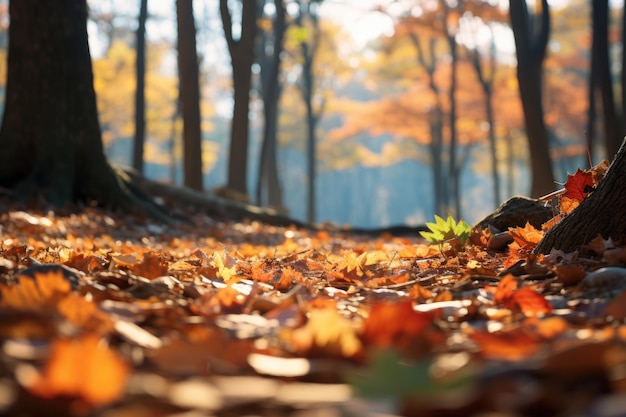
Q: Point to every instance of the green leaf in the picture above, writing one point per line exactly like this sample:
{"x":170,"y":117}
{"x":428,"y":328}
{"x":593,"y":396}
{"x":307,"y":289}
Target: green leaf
{"x":446,"y":230}
{"x":390,"y":377}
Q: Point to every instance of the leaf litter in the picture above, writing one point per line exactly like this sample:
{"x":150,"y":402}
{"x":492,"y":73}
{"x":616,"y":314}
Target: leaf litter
{"x":106,"y":314}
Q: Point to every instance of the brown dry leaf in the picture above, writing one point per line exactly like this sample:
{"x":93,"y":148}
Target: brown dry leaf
{"x":504,"y":290}
{"x":87,"y":263}
{"x":570,"y":274}
{"x":616,"y":309}
{"x":204,"y":349}
{"x":83,"y":368}
{"x":327,"y":333}
{"x":567,"y":205}
{"x":151,"y":266}
{"x":512,"y":345}
{"x":395,"y":324}
{"x":615,"y":256}
{"x":44,"y":291}
{"x":524,"y":241}
{"x":124,"y":260}
{"x":546,"y":328}
{"x":443,"y":296}
{"x":419,"y":293}
{"x":81,"y":312}
{"x":526,"y":299}
{"x":225,"y":300}
{"x":526,"y":237}
{"x":226,"y":267}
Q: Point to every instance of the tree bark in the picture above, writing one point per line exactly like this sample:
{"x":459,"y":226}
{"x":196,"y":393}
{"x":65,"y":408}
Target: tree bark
{"x":436,"y":147}
{"x":601,"y":80}
{"x":486,"y":82}
{"x":602,"y":212}
{"x":189,"y":94}
{"x":308,"y":50}
{"x":140,"y":90}
{"x":50,"y":136}
{"x":242,"y":57}
{"x":623,"y":72}
{"x":531,"y":39}
{"x":271,"y":92}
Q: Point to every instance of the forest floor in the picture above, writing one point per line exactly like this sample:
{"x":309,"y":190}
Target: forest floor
{"x":108,"y":314}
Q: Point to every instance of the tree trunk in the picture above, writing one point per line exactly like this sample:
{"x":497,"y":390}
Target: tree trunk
{"x":455,"y":165}
{"x":309,"y":49}
{"x":486,"y":83}
{"x":440,"y":183}
{"x":189,"y":94}
{"x":271,"y":91}
{"x":603,"y":212}
{"x":50,"y":136}
{"x":140,"y":96}
{"x":623,"y":72}
{"x":242,"y":57}
{"x":530,"y":48}
{"x":602,"y":80}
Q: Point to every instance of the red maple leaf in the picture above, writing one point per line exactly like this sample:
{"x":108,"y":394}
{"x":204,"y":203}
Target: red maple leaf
{"x":579,"y":185}
{"x":526,"y":299}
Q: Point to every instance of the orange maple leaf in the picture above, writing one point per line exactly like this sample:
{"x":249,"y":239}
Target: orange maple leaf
{"x":389,"y":324}
{"x":326,"y":332}
{"x":152,"y":266}
{"x":83,"y":368}
{"x":526,"y":237}
{"x":524,"y":241}
{"x":512,"y":345}
{"x":44,"y":291}
{"x":526,"y":299}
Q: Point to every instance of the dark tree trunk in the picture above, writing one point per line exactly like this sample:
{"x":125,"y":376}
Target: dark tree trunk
{"x":531,"y":39}
{"x":271,"y":91}
{"x":440,"y":183}
{"x":189,"y":94}
{"x":242,"y":57}
{"x":590,"y":134}
{"x":455,"y":165}
{"x":602,"y":212}
{"x":308,"y":50}
{"x":623,"y":74}
{"x":486,"y":82}
{"x":602,"y":81}
{"x":140,"y":96}
{"x":50,"y":136}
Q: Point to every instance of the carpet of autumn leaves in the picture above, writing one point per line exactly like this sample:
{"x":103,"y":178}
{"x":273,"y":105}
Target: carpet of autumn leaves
{"x":107,"y":314}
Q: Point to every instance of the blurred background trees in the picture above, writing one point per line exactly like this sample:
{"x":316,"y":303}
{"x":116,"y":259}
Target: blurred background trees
{"x":362,"y":112}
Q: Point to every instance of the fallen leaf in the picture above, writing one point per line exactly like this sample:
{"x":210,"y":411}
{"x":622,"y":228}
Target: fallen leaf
{"x":151,"y":266}
{"x":579,"y":185}
{"x":83,"y":368}
{"x":44,"y":291}
{"x":526,"y":237}
{"x":326,"y":331}
{"x":526,"y":299}
{"x":512,"y":345}
{"x":395,"y":324}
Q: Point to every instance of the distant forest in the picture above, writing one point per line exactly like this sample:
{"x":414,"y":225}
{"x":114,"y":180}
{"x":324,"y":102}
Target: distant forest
{"x":368,"y":113}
